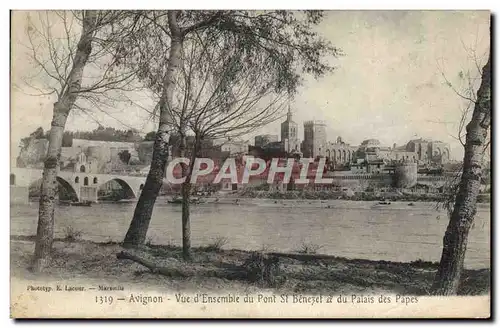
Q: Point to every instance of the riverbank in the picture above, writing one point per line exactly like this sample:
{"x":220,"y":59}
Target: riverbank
{"x":214,"y":268}
{"x":352,"y":196}
{"x":305,"y":196}
{"x":327,"y":203}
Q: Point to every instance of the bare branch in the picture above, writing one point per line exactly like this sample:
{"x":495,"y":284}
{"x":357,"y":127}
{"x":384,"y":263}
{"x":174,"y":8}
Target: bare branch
{"x":52,"y":44}
{"x":202,"y":24}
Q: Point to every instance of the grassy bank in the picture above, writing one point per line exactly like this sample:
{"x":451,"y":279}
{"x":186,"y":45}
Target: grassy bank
{"x":213,"y":268}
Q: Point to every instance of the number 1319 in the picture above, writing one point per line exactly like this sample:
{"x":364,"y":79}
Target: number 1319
{"x":104,"y":299}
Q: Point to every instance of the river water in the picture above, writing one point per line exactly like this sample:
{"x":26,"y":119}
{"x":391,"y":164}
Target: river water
{"x":353,"y":229}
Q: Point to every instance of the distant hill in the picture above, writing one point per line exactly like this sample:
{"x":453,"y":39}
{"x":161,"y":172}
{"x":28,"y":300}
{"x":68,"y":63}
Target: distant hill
{"x":99,"y":134}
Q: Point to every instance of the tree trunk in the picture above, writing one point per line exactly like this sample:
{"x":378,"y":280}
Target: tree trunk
{"x":138,"y":228}
{"x":62,"y":108}
{"x":186,"y":198}
{"x":186,"y":224}
{"x":49,"y":191}
{"x":447,"y":278}
{"x":187,"y":171}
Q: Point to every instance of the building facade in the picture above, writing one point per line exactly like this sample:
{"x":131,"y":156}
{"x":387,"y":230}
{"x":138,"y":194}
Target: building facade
{"x":314,"y":143}
{"x":429,"y":151}
{"x":235,"y":148}
{"x":340,"y":153}
{"x":264,"y":139}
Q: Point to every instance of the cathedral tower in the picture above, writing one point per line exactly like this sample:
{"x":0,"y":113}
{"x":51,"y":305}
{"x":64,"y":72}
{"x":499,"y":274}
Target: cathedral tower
{"x":289,"y":133}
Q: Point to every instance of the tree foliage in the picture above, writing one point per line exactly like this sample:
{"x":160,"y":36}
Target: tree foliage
{"x":107,"y":134}
{"x":150,"y":136}
{"x":125,"y":156}
{"x":281,"y":44}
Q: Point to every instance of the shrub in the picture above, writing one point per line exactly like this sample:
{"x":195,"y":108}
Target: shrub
{"x":216,"y":245}
{"x":424,"y":264}
{"x":266,"y":248}
{"x":263,"y":269}
{"x":308,"y":248}
{"x":149,"y":242}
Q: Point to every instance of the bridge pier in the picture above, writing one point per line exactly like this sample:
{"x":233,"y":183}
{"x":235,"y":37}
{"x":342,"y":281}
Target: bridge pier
{"x":88,"y":193}
{"x":19,"y":195}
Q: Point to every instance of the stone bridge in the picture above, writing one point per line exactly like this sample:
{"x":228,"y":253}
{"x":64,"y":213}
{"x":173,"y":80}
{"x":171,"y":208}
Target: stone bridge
{"x":83,"y":186}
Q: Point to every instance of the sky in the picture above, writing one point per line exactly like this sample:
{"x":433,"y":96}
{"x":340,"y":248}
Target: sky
{"x":389,"y":85}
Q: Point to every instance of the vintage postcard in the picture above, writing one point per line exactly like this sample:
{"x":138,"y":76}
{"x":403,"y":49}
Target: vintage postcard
{"x":250,"y":164}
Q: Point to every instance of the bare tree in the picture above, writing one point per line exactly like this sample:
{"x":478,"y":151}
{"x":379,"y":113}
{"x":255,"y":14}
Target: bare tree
{"x":285,"y":38}
{"x":455,"y":239}
{"x":465,"y":87}
{"x":61,"y":46}
{"x":219,"y":97}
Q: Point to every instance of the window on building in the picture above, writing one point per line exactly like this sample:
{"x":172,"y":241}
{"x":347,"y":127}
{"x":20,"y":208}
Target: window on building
{"x":12,"y":179}
{"x":86,"y":181}
{"x":82,"y":168}
{"x":77,"y":180}
{"x":95,"y":180}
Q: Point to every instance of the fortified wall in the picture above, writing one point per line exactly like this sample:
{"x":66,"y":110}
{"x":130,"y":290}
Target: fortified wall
{"x":405,"y":175}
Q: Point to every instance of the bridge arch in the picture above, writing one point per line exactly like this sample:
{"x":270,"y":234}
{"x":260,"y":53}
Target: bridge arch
{"x":71,"y":193}
{"x":69,"y":188}
{"x":128,"y":191}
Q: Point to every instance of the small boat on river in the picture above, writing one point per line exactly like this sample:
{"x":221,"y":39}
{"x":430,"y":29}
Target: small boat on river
{"x":178,"y":200}
{"x":86,"y":203}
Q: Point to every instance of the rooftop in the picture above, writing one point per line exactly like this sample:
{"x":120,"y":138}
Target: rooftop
{"x":314,"y":122}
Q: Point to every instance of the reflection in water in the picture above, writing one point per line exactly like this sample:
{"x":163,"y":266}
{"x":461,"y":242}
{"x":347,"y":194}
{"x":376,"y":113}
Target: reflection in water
{"x":349,"y":229}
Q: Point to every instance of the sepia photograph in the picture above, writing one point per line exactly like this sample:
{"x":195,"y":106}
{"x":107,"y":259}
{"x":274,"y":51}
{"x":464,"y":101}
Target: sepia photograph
{"x":250,"y":164}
